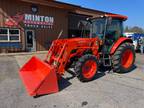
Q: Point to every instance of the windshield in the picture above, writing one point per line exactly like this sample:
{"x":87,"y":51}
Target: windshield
{"x":98,"y":27}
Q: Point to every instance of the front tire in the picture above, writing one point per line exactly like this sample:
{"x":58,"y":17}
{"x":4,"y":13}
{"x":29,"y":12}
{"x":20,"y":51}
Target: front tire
{"x":124,"y":58}
{"x":86,"y":68}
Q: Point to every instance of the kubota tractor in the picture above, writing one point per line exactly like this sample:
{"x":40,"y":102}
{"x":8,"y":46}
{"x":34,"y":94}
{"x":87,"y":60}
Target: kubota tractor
{"x":102,"y":42}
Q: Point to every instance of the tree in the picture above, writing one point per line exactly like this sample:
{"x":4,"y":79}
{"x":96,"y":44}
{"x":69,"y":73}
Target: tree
{"x":135,"y":29}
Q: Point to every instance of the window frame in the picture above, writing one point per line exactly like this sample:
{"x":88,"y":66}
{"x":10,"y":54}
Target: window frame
{"x":5,"y":35}
{"x":14,"y":35}
{"x":9,"y":35}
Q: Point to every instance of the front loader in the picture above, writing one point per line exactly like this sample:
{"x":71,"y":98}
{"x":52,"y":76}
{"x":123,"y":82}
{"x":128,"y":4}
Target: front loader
{"x":105,"y":45}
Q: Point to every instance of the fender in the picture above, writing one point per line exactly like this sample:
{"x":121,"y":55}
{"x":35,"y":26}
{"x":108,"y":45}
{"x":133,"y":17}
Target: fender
{"x":119,"y":42}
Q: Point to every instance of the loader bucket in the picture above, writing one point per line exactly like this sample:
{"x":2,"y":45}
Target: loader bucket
{"x":39,"y":77}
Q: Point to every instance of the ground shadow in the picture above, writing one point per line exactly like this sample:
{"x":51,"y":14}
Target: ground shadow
{"x":110,"y":70}
{"x":103,"y":69}
{"x":64,"y":83}
{"x":102,"y":72}
{"x":99,"y":75}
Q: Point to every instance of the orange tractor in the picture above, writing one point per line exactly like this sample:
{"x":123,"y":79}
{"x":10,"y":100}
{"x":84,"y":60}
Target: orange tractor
{"x":102,"y":42}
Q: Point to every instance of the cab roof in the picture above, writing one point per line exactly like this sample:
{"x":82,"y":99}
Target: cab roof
{"x":116,"y":16}
{"x":121,"y":17}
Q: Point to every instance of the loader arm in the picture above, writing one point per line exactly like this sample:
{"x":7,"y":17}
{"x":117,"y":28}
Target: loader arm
{"x":61,"y":51}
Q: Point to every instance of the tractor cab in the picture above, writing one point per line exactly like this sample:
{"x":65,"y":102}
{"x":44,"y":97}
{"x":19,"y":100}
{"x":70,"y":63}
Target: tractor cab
{"x":108,"y":28}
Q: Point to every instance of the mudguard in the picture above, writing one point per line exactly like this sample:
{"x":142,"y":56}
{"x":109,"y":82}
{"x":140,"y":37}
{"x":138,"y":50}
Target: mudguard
{"x":119,"y":42}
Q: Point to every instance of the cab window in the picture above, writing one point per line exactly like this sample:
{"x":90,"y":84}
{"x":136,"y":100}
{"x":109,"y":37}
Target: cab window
{"x":98,"y":27}
{"x":115,"y":28}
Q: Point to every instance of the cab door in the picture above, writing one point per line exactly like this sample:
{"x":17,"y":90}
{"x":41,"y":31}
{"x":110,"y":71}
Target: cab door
{"x":113,"y":32}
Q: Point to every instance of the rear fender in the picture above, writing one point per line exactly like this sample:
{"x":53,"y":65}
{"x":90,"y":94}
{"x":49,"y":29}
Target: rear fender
{"x":118,"y":43}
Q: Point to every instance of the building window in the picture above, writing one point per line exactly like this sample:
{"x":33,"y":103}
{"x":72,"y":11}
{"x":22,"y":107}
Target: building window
{"x":3,"y":35}
{"x":14,"y":35}
{"x":9,"y":35}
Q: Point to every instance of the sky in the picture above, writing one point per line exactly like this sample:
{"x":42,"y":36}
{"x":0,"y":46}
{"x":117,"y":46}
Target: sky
{"x":134,"y":9}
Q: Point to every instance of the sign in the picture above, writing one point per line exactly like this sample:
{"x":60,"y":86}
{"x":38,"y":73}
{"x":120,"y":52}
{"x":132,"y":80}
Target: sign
{"x":37,"y":21}
{"x":31,"y":21}
{"x":14,"y":20}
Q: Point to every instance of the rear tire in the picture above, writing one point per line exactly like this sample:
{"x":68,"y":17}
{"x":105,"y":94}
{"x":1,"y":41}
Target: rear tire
{"x":86,"y":68}
{"x":124,"y":58}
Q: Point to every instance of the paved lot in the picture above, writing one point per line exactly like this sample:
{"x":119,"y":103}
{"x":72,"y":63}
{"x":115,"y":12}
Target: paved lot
{"x":107,"y":91}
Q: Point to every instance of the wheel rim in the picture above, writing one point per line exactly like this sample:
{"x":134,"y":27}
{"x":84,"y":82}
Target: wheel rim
{"x":127,"y":58}
{"x":89,"y":69}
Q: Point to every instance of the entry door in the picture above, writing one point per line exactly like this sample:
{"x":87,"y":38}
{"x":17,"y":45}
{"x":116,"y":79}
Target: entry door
{"x":30,"y":40}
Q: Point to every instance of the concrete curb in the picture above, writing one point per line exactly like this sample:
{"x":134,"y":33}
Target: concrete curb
{"x":23,"y":53}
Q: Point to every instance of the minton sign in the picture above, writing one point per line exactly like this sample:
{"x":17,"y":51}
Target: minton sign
{"x":37,"y":21}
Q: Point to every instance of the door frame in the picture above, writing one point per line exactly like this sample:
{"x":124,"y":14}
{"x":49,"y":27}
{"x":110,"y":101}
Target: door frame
{"x":33,"y":49}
